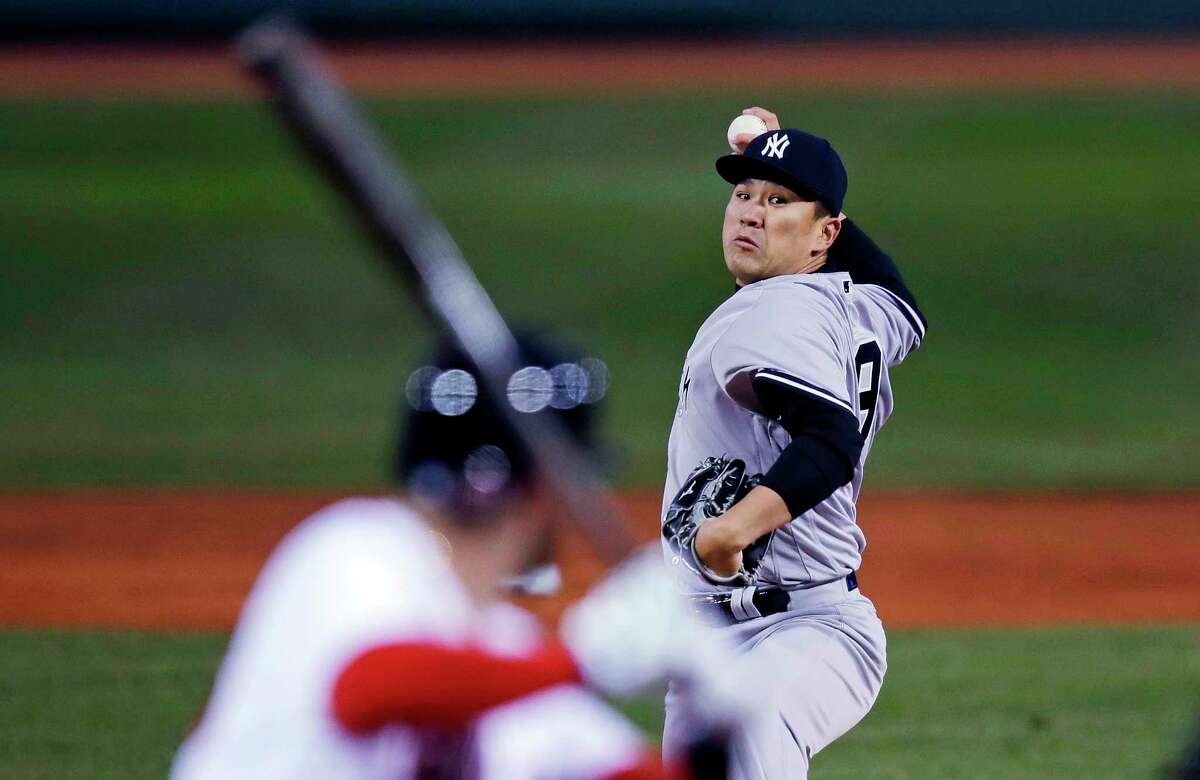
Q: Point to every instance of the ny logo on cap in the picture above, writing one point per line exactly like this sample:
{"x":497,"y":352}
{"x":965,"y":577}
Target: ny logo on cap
{"x":776,"y":145}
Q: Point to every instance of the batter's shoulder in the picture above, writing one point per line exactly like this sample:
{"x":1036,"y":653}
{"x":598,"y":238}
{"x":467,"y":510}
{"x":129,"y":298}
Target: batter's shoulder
{"x":358,"y":529}
{"x":358,"y":517}
{"x":360,"y":566}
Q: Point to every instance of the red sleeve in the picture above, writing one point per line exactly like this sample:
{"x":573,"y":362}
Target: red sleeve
{"x":424,"y":684}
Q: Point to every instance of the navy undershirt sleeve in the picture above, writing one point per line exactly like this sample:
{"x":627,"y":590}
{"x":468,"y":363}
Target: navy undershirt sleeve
{"x":824,"y":450}
{"x":855,"y":253}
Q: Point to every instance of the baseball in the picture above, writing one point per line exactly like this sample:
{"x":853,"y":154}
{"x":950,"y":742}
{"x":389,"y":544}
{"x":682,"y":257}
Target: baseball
{"x":745,"y":123}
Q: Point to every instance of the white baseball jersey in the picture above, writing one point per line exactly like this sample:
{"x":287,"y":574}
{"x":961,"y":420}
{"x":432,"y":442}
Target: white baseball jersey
{"x":817,"y":334}
{"x":357,"y":574}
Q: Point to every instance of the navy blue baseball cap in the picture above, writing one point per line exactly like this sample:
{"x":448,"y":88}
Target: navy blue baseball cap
{"x":800,"y":161}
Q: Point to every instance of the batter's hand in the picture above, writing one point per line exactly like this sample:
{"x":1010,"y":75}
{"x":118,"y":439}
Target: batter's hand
{"x":741,"y":140}
{"x":635,"y":629}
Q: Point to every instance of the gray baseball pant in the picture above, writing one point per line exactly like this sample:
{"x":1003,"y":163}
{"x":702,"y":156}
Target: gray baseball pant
{"x":824,"y":661}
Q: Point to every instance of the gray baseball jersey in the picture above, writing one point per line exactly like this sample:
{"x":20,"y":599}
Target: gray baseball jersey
{"x":818,"y":334}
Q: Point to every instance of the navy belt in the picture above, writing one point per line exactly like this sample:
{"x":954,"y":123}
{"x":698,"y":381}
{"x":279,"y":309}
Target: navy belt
{"x":766,"y":601}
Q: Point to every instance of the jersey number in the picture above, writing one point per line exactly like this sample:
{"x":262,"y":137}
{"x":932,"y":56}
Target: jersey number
{"x":868,"y":362}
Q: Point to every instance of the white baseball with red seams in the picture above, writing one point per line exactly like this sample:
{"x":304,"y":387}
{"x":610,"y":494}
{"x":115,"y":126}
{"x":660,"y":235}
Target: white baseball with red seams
{"x":744,"y":123}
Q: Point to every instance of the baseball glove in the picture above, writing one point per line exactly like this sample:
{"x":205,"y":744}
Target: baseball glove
{"x":708,"y":492}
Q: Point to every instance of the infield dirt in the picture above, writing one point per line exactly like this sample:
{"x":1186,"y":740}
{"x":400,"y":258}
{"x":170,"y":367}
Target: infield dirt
{"x":185,"y":560}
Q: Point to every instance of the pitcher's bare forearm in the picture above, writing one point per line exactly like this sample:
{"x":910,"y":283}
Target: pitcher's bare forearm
{"x":719,"y":543}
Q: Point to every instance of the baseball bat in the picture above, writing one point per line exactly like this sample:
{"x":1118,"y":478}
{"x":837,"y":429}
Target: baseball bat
{"x":414,"y":244}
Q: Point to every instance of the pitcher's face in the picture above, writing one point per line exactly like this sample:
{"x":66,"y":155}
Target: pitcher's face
{"x":770,"y":231}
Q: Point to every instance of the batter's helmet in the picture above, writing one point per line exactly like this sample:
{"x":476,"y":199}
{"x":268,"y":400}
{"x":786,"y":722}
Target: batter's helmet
{"x":458,"y":449}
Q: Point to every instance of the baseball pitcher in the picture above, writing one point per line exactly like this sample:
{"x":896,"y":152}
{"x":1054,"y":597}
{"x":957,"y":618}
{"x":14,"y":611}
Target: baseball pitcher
{"x":781,"y":396}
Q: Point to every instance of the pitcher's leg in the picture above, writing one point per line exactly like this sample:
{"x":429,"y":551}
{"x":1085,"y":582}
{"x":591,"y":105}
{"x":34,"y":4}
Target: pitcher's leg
{"x":674,"y":738}
{"x":826,"y":673}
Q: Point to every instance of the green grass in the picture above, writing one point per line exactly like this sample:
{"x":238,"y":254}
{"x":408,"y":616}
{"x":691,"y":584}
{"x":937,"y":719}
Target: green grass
{"x":181,"y":303}
{"x":1060,"y":702}
{"x":1063,"y":702}
{"x":99,"y":704}
{"x":1095,"y":703}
